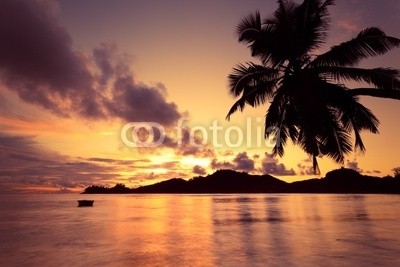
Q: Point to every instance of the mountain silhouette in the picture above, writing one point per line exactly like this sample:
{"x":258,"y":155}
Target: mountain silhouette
{"x":229,"y":181}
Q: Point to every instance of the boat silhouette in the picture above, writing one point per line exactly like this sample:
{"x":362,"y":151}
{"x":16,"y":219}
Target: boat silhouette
{"x":85,"y":203}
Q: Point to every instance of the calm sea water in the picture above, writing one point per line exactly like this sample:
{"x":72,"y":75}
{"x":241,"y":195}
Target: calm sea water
{"x":200,"y":230}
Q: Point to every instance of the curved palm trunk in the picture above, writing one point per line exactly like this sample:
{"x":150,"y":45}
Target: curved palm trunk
{"x":382,"y":93}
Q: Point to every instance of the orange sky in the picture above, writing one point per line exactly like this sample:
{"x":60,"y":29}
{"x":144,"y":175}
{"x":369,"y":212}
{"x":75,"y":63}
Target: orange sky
{"x":97,"y":65}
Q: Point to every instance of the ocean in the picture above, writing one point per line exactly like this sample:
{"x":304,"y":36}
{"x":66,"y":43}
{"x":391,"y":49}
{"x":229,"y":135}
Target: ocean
{"x":200,"y":230}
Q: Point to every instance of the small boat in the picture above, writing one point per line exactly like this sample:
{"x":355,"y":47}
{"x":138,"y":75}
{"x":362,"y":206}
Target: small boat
{"x":85,"y":203}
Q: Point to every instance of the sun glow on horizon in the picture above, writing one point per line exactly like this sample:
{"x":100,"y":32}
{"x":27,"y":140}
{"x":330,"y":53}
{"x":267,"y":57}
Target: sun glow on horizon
{"x":192,"y":161}
{"x":60,"y":122}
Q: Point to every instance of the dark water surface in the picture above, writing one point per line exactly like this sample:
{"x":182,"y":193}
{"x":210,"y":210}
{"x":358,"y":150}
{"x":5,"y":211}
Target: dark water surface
{"x":200,"y":230}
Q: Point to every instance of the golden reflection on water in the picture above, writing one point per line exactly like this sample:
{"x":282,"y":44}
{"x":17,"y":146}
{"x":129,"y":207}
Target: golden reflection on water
{"x":202,"y":230}
{"x":167,"y":229}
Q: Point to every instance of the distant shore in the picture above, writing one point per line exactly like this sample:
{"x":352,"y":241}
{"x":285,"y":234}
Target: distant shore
{"x":228,"y":181}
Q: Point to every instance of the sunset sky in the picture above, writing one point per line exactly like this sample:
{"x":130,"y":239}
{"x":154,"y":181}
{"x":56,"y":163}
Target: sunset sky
{"x":73,"y":73}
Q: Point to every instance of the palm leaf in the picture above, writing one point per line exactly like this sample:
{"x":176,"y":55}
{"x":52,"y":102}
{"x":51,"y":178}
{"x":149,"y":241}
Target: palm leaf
{"x":382,"y":78}
{"x":368,"y":43}
{"x":352,"y":115}
{"x":253,"y":95}
{"x":312,"y":25}
{"x":249,"y":76}
{"x":284,"y":14}
{"x":249,"y":28}
{"x":308,"y":142}
{"x":359,"y":144}
{"x":364,"y":119}
{"x":335,"y":141}
{"x":277,"y":43}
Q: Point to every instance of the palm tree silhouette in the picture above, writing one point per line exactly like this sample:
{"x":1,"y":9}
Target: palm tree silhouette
{"x":309,"y":102}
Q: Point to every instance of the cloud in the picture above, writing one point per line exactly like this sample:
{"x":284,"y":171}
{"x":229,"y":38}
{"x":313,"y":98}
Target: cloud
{"x":138,"y":102}
{"x":373,"y":172}
{"x":348,"y":25}
{"x":241,"y":162}
{"x":228,"y":153}
{"x":101,"y":57}
{"x":37,"y":60}
{"x":305,"y":167}
{"x":354,"y":166}
{"x":199,"y":170}
{"x":39,"y":64}
{"x":354,"y":16}
{"x":27,"y":165}
{"x":186,"y":145}
{"x":115,"y":161}
{"x":216,"y":165}
{"x":143,"y":178}
{"x":396,"y":171}
{"x":271,"y":166}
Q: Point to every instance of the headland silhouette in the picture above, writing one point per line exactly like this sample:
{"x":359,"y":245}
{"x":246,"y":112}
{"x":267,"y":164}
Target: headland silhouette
{"x":228,"y":181}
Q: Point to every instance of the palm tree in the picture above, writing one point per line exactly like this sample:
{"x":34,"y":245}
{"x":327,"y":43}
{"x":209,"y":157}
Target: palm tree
{"x":309,"y":102}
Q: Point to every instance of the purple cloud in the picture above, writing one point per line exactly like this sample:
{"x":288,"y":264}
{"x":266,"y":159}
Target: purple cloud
{"x":354,"y":166}
{"x":271,"y":166}
{"x":241,"y":162}
{"x":305,"y":167}
{"x":138,"y":102}
{"x":216,"y":165}
{"x":27,"y":164}
{"x":199,"y":170}
{"x":185,"y":144}
{"x":39,"y":64}
{"x":37,"y":60}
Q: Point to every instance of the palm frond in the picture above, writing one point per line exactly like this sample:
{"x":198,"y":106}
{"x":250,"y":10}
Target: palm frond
{"x":286,"y":128}
{"x":268,"y":46}
{"x":375,"y":92}
{"x":352,"y":115}
{"x":312,"y":25}
{"x":382,"y":78}
{"x":335,"y":141}
{"x":325,"y":5}
{"x":275,"y":123}
{"x":253,"y":95}
{"x":358,"y":144}
{"x":238,"y":105}
{"x":280,"y":134}
{"x":368,"y":43}
{"x":284,"y":14}
{"x":277,"y":43}
{"x":250,"y":75}
{"x":364,"y":119}
{"x":249,"y":28}
{"x":308,"y":142}
{"x":275,"y":113}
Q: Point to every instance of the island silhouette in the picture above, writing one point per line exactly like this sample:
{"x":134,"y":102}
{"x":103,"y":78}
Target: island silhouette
{"x":229,"y":181}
